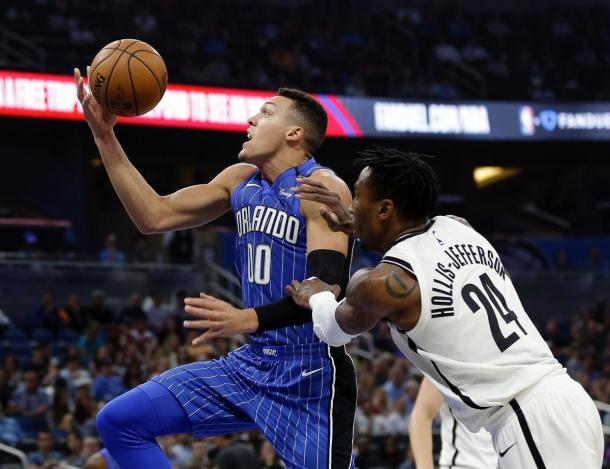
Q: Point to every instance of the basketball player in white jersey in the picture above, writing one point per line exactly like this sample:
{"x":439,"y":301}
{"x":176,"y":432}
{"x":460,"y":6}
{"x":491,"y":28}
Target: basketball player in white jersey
{"x":460,"y":449}
{"x":453,"y":311}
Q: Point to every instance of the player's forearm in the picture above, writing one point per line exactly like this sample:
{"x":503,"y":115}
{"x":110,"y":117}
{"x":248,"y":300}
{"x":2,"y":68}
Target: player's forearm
{"x":420,"y":435}
{"x":139,"y":199}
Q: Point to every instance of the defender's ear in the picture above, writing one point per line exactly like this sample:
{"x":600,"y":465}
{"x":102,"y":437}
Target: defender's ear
{"x":385,"y":209}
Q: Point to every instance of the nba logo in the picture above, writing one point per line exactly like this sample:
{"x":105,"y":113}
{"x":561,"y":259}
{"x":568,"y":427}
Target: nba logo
{"x":526,"y":118}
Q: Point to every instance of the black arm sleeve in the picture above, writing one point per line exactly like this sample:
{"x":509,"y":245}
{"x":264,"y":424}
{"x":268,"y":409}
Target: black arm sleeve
{"x":327,"y":265}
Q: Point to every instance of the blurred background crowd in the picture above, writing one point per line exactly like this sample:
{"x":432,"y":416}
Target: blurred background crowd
{"x":412,"y":48}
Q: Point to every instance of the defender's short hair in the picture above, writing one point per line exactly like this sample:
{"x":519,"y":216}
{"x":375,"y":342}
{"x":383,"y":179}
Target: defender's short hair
{"x":310,"y":114}
{"x":405,"y":178}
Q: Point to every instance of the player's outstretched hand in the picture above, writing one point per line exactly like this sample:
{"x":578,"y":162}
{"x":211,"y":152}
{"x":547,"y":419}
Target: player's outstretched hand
{"x":100,"y":121}
{"x":218,"y":318}
{"x":302,"y":291}
{"x":334,"y":212}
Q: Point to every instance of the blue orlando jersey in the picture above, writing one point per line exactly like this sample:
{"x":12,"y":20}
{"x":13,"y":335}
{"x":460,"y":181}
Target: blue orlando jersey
{"x":271,"y":246}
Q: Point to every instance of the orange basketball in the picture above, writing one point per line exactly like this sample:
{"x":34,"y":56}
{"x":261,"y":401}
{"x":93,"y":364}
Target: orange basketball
{"x":128,"y":77}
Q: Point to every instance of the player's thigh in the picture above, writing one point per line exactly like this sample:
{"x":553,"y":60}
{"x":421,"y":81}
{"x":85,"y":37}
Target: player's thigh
{"x":310,"y":423}
{"x":559,"y":429}
{"x":207,"y":392}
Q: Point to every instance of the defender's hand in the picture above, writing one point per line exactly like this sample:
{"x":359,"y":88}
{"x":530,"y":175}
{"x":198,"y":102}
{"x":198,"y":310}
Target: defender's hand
{"x":302,"y":291}
{"x":220,"y":318}
{"x":335,"y":214}
{"x":100,"y":121}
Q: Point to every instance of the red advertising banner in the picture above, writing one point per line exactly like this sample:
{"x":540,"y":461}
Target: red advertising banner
{"x":45,"y":96}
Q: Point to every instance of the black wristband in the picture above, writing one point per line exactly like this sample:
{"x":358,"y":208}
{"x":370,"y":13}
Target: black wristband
{"x":281,"y":313}
{"x":328,"y":266}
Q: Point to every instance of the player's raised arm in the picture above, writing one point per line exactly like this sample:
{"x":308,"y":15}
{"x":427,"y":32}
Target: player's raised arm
{"x":150,"y":211}
{"x":428,"y":403}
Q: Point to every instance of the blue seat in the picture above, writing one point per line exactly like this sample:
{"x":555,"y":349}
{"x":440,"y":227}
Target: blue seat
{"x":57,"y":349}
{"x":21,"y":347}
{"x":43,"y":335}
{"x":14,"y":334}
{"x":68,"y":335}
{"x":23,"y":359}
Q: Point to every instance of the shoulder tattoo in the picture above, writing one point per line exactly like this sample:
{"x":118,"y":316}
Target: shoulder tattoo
{"x":396,"y":287}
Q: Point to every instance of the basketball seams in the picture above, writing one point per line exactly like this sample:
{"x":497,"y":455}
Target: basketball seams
{"x":133,"y":88}
{"x":105,"y":58}
{"x":161,"y":91}
{"x":109,"y":79}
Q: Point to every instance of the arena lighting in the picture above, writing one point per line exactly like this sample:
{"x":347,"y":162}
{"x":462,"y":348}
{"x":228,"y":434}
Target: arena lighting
{"x":485,"y":176}
{"x":45,"y":96}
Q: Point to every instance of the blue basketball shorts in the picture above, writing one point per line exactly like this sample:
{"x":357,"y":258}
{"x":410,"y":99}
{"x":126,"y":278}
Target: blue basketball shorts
{"x":302,"y":397}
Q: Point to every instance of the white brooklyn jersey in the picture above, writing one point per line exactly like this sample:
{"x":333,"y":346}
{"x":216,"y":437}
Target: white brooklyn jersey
{"x":463,"y":449}
{"x":473,"y":339}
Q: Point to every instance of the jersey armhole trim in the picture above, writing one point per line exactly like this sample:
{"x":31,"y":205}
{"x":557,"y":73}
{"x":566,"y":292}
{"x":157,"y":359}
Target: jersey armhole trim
{"x":241,"y":184}
{"x":400,"y":263}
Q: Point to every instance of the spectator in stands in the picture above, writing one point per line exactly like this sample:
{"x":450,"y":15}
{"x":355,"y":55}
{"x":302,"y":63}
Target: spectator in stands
{"x":380,"y":413}
{"x":398,"y":420}
{"x":71,"y":316}
{"x":268,"y":457}
{"x":181,"y":244}
{"x":6,"y":390}
{"x":84,"y":405}
{"x":91,"y":445}
{"x":46,"y":314}
{"x":395,"y":386}
{"x":91,"y":341}
{"x":11,"y":368}
{"x":44,"y":453}
{"x":30,"y":404}
{"x":98,"y":311}
{"x":61,"y":403}
{"x":10,"y":431}
{"x":107,"y":384}
{"x":74,"y":374}
{"x":39,"y":361}
{"x":199,"y":455}
{"x":74,"y":443}
{"x":140,"y":332}
{"x":111,"y":253}
{"x":234,"y":454}
{"x":133,"y":311}
{"x":156,"y":311}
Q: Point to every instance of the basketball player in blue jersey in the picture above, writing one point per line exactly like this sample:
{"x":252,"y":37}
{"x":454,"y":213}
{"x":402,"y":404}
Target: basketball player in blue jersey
{"x":298,"y":391}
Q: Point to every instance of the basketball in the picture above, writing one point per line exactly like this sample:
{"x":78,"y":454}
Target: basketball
{"x":128,"y":77}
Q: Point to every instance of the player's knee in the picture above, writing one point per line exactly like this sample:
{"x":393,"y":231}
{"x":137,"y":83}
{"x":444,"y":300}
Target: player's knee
{"x":113,"y":422}
{"x":108,"y":422}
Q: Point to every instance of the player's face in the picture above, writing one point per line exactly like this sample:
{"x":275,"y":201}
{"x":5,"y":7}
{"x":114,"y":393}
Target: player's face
{"x":365,"y":209}
{"x":268,"y":130}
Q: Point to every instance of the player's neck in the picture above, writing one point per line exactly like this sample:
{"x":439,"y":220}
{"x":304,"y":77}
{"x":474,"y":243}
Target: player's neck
{"x":279,"y":163}
{"x":401,"y":229}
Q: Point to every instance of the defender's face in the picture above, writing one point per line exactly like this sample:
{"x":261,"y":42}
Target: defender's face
{"x":365,"y":209}
{"x":268,"y":130}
